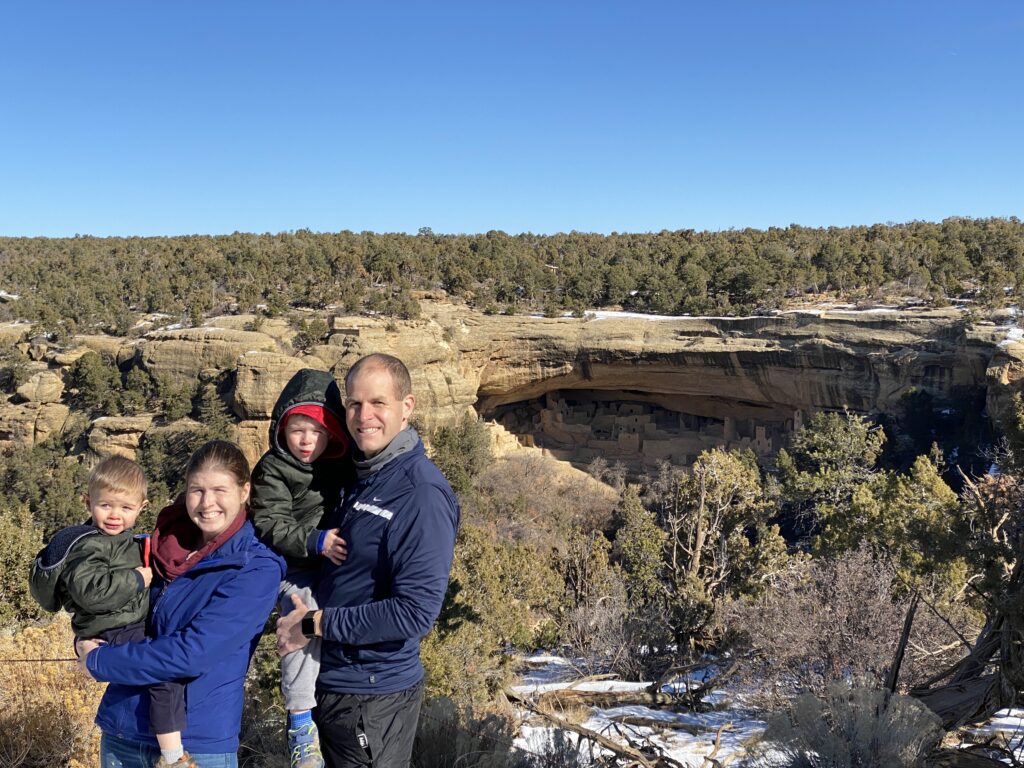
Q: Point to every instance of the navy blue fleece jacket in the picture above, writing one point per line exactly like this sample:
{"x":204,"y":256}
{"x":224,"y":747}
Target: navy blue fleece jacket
{"x":400,"y":525}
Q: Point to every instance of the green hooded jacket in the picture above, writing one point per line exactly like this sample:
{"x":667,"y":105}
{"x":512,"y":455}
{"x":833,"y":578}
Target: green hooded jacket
{"x":93,"y":577}
{"x":290,"y":498}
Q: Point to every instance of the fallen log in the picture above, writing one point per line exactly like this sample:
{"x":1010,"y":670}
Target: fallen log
{"x":672,"y":725}
{"x":567,"y":698}
{"x":625,"y":752}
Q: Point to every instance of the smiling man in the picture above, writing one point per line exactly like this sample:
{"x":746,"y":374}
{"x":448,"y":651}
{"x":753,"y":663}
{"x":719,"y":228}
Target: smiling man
{"x":399,"y":518}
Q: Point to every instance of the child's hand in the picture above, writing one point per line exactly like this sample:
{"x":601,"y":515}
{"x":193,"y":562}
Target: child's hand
{"x":147,"y":575}
{"x":335,"y":548}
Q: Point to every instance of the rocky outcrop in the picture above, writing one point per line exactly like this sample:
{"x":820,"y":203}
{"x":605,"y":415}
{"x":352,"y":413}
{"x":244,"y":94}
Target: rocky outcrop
{"x":741,"y":367}
{"x":253,"y":438}
{"x":42,"y":387}
{"x":12,"y":333}
{"x":31,"y":423}
{"x":120,"y":435}
{"x":260,"y":377}
{"x":182,"y":355}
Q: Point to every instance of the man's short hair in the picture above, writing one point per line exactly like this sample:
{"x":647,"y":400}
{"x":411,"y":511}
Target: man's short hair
{"x":117,"y":474}
{"x":400,"y":378}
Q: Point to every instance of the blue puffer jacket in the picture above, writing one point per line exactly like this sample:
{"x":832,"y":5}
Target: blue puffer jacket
{"x":400,"y":525}
{"x":206,"y":624}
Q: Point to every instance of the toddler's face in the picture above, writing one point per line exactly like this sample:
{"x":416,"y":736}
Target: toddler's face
{"x":114,"y":511}
{"x":306,"y":438}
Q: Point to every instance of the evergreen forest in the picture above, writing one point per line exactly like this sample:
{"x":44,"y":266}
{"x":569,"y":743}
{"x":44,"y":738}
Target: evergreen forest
{"x":68,"y":284}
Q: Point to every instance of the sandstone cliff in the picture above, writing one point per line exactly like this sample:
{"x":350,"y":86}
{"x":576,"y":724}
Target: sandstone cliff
{"x":737,"y":381}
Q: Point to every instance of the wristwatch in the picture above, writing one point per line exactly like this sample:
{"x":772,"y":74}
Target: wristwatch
{"x":309,"y":624}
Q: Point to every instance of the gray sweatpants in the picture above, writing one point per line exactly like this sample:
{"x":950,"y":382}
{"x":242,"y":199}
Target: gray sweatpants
{"x":299,"y":668}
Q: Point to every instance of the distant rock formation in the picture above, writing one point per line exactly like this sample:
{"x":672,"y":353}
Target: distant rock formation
{"x":581,"y":387}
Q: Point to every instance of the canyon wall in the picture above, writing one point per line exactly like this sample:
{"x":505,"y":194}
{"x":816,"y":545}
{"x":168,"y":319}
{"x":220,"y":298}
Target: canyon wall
{"x":617,"y":386}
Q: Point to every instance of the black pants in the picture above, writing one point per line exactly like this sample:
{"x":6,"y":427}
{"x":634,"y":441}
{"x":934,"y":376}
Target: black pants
{"x":359,"y":730}
{"x":166,"y":700}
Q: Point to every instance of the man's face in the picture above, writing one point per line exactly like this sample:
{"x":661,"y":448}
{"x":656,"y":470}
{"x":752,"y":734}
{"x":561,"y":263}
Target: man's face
{"x":373,"y":412}
{"x":306,"y":438}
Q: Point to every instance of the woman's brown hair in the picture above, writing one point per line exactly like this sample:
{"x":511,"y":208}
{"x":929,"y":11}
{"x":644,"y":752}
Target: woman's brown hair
{"x":219,"y":455}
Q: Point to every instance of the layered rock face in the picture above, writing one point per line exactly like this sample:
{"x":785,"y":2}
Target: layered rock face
{"x":622,"y":387}
{"x":646,"y":390}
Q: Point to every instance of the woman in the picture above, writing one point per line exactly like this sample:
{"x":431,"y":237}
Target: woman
{"x":213,"y":588}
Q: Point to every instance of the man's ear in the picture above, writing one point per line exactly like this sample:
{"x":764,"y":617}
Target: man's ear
{"x":408,"y":404}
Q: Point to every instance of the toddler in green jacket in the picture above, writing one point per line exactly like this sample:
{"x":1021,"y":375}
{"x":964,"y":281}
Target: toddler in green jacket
{"x":96,"y":572}
{"x":295,"y":487}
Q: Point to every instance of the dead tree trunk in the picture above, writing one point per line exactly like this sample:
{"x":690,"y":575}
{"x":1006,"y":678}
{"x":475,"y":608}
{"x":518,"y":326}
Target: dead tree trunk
{"x":989,"y":677}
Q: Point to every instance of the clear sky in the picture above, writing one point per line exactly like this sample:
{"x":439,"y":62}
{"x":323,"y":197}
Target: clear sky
{"x":161,"y":118}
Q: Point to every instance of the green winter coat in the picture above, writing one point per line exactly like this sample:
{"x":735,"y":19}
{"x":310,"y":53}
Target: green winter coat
{"x":289,"y":498}
{"x":92,"y":576}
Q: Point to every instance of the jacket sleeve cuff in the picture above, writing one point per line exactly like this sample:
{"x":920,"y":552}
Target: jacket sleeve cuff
{"x":91,"y":662}
{"x":313,"y":542}
{"x":140,"y":581}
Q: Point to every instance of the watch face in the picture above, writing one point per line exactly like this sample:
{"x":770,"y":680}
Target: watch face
{"x":308,"y":625}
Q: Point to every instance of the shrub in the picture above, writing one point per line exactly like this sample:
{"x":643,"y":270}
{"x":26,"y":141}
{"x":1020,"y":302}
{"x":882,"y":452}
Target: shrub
{"x":45,"y":480}
{"x":175,"y":398}
{"x":462,"y":452}
{"x":262,"y":742}
{"x":838,"y":620}
{"x":20,"y":540}
{"x":846,"y":728}
{"x":595,"y":601}
{"x":98,"y":383}
{"x":46,"y":708}
{"x":14,"y":369}
{"x":448,"y":738}
{"x":500,"y":594}
{"x":310,"y":333}
{"x":526,"y":497}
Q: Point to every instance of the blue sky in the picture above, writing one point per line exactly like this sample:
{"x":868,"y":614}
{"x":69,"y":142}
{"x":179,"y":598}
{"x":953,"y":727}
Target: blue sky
{"x":162,"y":118}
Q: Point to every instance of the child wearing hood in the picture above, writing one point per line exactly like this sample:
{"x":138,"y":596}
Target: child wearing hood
{"x":295,"y":485}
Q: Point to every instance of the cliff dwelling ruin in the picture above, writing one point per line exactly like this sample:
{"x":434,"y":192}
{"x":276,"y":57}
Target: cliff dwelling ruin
{"x":641,"y":430}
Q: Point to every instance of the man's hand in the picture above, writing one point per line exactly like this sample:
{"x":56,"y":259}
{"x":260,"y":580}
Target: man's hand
{"x":289,"y":628}
{"x":335,"y":548}
{"x":82,"y":649}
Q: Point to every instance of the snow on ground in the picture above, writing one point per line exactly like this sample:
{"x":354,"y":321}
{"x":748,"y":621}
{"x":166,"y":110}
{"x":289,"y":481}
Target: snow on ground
{"x":1013,"y":335}
{"x":695,"y":733}
{"x":688,"y":744}
{"x":1007,"y":723}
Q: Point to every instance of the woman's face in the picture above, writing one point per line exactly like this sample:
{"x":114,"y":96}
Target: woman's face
{"x":214,"y":499}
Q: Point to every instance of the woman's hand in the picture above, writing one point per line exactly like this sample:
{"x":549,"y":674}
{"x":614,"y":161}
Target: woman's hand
{"x":335,"y":548}
{"x":146,"y":574}
{"x":82,"y":649}
{"x":289,"y":628}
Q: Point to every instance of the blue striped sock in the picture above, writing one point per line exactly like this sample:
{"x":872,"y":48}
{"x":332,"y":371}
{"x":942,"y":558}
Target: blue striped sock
{"x":299,"y":719}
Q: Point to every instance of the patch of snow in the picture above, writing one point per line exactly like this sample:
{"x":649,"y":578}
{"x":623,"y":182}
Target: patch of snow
{"x":610,"y":314}
{"x":688,"y":745}
{"x":1013,"y":335}
{"x":1009,"y":724}
{"x":5,"y":296}
{"x":586,"y":685}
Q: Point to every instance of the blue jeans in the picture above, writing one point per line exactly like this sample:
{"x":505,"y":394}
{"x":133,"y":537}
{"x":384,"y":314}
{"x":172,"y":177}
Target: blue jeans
{"x":119,"y":753}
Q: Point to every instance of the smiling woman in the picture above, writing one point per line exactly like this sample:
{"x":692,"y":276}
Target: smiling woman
{"x":213,"y":588}
{"x":214,"y":499}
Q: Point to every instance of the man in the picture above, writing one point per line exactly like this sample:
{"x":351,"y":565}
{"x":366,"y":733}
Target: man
{"x":399,"y":519}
